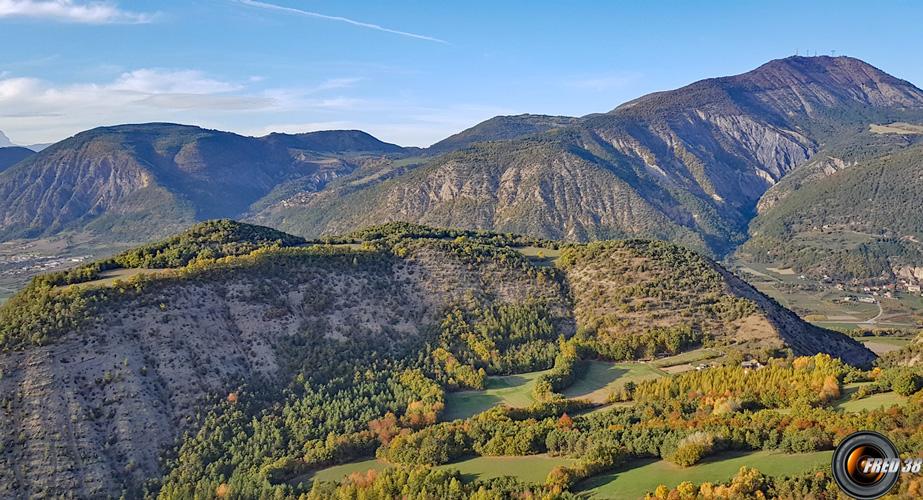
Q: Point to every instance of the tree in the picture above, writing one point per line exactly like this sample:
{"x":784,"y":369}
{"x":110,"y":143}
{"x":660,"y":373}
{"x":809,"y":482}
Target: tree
{"x":906,"y":383}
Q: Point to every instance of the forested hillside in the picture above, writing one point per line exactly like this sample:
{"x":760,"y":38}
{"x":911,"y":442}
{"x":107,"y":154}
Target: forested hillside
{"x":279,"y":359}
{"x":859,"y":220}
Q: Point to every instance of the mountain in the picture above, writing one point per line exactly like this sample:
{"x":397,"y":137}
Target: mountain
{"x":12,"y":155}
{"x":908,"y":355}
{"x":688,"y":165}
{"x":133,"y":182}
{"x":40,"y":146}
{"x":111,"y":363}
{"x":852,"y":213}
{"x":5,"y":141}
{"x":333,"y":141}
{"x":501,"y":128}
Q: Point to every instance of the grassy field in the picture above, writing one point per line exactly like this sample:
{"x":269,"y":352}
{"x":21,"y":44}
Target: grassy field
{"x":601,"y":378}
{"x":540,"y":256}
{"x":596,"y":383}
{"x":338,"y":472}
{"x":635,"y":482}
{"x":110,"y":277}
{"x":510,"y":390}
{"x":881,"y":345}
{"x":896,"y":340}
{"x":873,"y":402}
{"x":897,"y":128}
{"x":687,"y":357}
{"x":532,"y":468}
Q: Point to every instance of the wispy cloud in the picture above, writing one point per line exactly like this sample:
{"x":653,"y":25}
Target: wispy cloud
{"x":157,"y":81}
{"x":171,"y":89}
{"x":316,"y":15}
{"x":72,"y":11}
{"x":38,"y":110}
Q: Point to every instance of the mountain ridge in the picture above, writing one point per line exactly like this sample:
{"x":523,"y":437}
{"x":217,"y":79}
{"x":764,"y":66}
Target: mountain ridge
{"x":134,"y":175}
{"x":12,"y":155}
{"x":696,"y":160}
{"x":687,"y":165}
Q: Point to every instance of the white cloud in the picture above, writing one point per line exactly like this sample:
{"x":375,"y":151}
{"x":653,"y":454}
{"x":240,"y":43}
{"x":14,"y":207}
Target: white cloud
{"x":153,"y":81}
{"x":95,"y":12}
{"x":316,"y":15}
{"x":38,"y":110}
{"x":34,"y":110}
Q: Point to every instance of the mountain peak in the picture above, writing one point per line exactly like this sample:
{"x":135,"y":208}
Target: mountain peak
{"x":829,"y":70}
{"x":5,"y":141}
{"x":502,"y":128}
{"x":796,"y":85}
{"x":333,"y":140}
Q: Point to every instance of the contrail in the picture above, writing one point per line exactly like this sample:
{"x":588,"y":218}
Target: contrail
{"x":290,"y":10}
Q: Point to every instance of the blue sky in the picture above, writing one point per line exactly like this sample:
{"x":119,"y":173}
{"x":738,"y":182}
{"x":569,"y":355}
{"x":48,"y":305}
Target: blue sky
{"x":408,"y":72}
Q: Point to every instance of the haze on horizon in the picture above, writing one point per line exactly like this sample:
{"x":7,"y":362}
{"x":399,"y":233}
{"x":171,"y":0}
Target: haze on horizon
{"x":411,"y":74}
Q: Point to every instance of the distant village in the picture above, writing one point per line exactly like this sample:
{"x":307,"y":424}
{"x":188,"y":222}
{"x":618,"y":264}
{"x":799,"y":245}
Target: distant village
{"x":27,"y":264}
{"x":869,"y":294}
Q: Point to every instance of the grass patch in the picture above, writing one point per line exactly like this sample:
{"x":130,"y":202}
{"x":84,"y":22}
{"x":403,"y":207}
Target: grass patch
{"x":899,"y":341}
{"x":510,"y":390}
{"x":873,"y":402}
{"x":107,"y":278}
{"x":900,"y":128}
{"x":338,"y":472}
{"x":600,"y":378}
{"x":687,"y":357}
{"x":531,"y":468}
{"x":540,"y":256}
{"x":635,"y":482}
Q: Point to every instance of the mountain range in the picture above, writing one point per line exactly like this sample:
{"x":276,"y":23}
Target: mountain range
{"x":701,"y":165}
{"x":5,"y":142}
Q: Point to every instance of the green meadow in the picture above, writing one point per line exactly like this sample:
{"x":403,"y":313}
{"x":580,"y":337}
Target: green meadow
{"x":601,"y":378}
{"x":530,"y":468}
{"x":635,"y":482}
{"x":510,"y":390}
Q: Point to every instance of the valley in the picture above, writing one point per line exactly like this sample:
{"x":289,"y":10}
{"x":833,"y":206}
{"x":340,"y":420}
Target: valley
{"x":695,"y":294}
{"x":245,"y":320}
{"x":894,"y":305}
